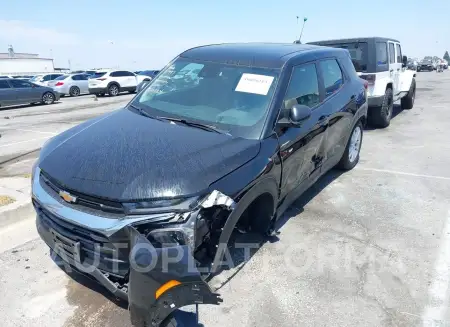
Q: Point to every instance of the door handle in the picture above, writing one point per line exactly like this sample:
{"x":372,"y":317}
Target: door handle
{"x":391,"y":71}
{"x":398,"y":69}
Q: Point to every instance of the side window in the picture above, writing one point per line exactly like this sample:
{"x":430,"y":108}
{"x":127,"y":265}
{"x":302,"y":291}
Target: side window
{"x":115,"y":74}
{"x":399,"y":53}
{"x":4,"y":84}
{"x":332,"y":76}
{"x":382,"y":53}
{"x":128,"y":74}
{"x":47,"y":78}
{"x":391,"y":53}
{"x":303,"y":87}
{"x":18,"y":84}
{"x":76,"y":77}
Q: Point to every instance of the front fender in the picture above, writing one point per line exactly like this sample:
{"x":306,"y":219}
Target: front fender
{"x":162,"y":280}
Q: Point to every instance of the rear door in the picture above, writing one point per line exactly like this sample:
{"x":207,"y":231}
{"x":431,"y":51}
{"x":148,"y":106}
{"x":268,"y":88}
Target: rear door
{"x":394,"y":68}
{"x":26,"y":92}
{"x":299,"y":145}
{"x":7,"y":93}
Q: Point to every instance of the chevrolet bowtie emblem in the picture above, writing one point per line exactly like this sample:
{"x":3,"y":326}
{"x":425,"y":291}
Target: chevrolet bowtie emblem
{"x":67,"y":197}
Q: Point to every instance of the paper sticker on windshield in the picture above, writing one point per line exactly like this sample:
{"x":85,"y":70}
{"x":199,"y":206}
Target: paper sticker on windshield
{"x":253,"y":83}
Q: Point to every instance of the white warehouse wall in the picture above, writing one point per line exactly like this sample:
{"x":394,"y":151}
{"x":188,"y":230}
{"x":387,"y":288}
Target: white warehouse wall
{"x":11,"y":66}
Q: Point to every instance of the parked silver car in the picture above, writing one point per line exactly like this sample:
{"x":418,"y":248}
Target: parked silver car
{"x":43,"y":79}
{"x":71,"y":84}
{"x":16,"y":91}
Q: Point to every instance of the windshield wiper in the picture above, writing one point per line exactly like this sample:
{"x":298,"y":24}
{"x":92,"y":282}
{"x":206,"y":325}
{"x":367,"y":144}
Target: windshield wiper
{"x":205,"y":127}
{"x":143,"y":112}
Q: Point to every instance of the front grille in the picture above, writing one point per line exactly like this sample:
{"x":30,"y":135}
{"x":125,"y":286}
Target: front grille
{"x":82,"y":245}
{"x":86,"y":203}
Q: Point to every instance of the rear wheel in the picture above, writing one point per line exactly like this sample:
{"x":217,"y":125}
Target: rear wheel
{"x":113,"y":90}
{"x":74,"y":91}
{"x":351,"y":154}
{"x":381,"y":117}
{"x":48,"y":98}
{"x":408,"y":100}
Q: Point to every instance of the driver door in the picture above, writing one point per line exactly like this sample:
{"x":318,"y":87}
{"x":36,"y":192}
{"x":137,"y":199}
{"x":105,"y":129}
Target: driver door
{"x":300,"y":147}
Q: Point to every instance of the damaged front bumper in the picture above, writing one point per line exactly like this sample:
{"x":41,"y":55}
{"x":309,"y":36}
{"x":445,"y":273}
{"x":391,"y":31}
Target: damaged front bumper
{"x":162,"y":280}
{"x":155,"y":280}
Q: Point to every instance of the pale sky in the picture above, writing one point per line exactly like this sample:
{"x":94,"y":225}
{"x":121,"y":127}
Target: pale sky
{"x":146,"y":34}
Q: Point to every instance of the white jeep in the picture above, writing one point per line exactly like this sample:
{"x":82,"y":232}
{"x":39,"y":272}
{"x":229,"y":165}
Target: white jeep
{"x":380,"y":62}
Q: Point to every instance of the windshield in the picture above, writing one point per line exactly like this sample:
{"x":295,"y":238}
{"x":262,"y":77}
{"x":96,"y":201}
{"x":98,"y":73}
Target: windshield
{"x":231,"y":98}
{"x":60,"y":78}
{"x":358,"y":53}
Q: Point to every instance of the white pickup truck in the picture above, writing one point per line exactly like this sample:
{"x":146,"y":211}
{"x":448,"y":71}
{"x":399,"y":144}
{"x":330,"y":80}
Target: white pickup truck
{"x":380,"y":61}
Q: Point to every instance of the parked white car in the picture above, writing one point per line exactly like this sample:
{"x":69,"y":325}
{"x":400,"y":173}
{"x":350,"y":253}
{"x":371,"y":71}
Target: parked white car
{"x":71,"y":84}
{"x":43,"y":79}
{"x":112,"y":82}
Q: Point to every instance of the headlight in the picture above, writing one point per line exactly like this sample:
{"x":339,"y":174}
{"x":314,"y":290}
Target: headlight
{"x":164,"y":237}
{"x":162,"y":205}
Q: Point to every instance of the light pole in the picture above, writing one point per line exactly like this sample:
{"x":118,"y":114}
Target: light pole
{"x":301,"y":32}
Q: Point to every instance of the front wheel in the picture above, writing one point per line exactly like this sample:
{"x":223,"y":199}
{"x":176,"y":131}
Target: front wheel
{"x":408,"y":100}
{"x":48,"y":98}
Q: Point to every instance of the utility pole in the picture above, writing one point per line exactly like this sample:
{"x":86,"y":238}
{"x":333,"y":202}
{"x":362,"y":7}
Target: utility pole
{"x":70,"y":68}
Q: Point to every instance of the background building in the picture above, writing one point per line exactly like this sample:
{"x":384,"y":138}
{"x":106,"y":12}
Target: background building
{"x":12,"y":63}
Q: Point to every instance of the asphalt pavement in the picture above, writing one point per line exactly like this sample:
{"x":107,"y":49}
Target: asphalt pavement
{"x":370,"y":247}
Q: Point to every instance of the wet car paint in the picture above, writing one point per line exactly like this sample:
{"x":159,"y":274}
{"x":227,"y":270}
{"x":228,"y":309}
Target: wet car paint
{"x":143,"y":158}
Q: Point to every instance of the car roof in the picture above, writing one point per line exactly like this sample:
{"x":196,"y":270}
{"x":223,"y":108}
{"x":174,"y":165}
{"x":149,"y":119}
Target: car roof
{"x":269,"y":55}
{"x":356,"y":39}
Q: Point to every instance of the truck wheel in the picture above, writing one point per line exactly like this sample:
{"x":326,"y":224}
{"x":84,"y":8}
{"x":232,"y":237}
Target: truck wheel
{"x":351,"y":154}
{"x":408,"y":100}
{"x":381,"y":117}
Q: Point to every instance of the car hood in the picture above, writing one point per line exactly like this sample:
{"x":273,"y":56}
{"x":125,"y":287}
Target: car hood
{"x":125,"y":156}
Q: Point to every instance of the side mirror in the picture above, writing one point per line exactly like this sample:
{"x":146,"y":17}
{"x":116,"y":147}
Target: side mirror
{"x":146,"y":80}
{"x":404,"y":61}
{"x":295,"y":116}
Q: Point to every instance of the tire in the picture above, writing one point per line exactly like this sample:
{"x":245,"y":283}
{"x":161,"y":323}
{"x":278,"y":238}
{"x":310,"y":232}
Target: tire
{"x":408,"y":100}
{"x":351,"y":154}
{"x":48,"y":98}
{"x":74,"y":91}
{"x":113,"y":90}
{"x":381,"y":116}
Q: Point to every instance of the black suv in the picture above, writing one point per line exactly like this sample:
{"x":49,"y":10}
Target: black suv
{"x":225,"y":136}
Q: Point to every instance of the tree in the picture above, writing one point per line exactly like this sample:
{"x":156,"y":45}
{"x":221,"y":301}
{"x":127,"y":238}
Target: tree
{"x":447,"y":56}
